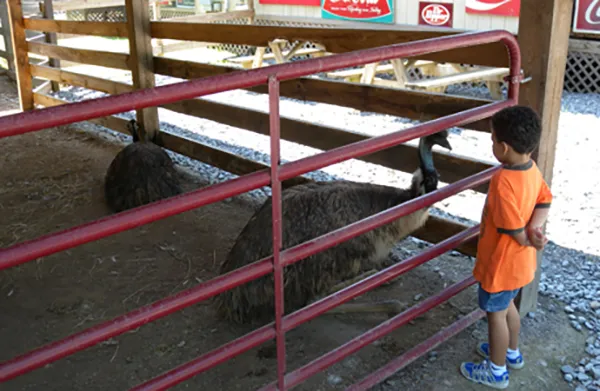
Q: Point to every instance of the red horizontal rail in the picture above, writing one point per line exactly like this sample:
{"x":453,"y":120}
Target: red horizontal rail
{"x":98,"y":229}
{"x":210,"y":359}
{"x":332,"y":238}
{"x":59,"y":349}
{"x":299,"y":375}
{"x":198,"y":365}
{"x":74,"y":112}
{"x":375,"y":144}
{"x":407,"y":358}
{"x":134,"y":319}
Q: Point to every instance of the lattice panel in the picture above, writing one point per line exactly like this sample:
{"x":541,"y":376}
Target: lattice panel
{"x":169,"y":13}
{"x":244,"y":50}
{"x":108,"y":14}
{"x":582,"y":73}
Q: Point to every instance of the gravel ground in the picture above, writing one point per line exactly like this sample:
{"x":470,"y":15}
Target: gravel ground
{"x":570,"y":270}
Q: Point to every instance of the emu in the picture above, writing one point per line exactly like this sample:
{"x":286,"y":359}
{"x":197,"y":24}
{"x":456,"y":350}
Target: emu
{"x":311,"y":210}
{"x":141,"y":173}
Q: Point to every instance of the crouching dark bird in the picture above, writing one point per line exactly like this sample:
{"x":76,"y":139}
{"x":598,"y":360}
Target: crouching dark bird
{"x":141,"y":173}
{"x":311,"y":210}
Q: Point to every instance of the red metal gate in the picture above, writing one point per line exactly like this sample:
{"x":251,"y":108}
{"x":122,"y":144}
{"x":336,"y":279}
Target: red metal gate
{"x":273,"y":75}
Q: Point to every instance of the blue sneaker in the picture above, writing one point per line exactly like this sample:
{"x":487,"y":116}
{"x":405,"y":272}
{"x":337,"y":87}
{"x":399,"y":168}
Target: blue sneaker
{"x":482,"y":374}
{"x":515,"y":363}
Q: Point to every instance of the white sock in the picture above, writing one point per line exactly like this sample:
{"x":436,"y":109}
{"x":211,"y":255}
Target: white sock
{"x":512,"y":354}
{"x":497,"y":370}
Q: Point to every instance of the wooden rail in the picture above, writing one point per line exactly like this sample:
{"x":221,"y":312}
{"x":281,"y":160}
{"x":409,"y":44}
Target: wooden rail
{"x":336,"y":40}
{"x":403,"y":103}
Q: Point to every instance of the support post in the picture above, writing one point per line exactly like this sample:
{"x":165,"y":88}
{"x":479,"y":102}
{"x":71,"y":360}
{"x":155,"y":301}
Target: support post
{"x":8,"y":47}
{"x":544,"y":40}
{"x":52,"y":39}
{"x":141,"y":61}
{"x":21,"y":55}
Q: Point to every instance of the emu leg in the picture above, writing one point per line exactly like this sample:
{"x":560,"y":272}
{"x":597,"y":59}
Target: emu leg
{"x":390,"y":307}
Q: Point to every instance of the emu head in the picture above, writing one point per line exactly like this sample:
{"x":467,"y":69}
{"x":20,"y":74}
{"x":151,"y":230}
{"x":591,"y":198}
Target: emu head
{"x":134,"y":128}
{"x":428,"y":175}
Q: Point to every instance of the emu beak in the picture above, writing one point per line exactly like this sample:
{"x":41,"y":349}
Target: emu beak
{"x":443,"y":142}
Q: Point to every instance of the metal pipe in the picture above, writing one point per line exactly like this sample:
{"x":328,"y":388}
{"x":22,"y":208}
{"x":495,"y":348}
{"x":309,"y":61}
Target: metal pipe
{"x":350,"y":292}
{"x":208,"y":360}
{"x":194,"y":367}
{"x":74,"y":112}
{"x":98,"y":229}
{"x":294,"y":378}
{"x":407,"y":358}
{"x":332,"y":238}
{"x":375,"y":144}
{"x":276,"y":226}
{"x":75,"y":236}
{"x":134,"y":319}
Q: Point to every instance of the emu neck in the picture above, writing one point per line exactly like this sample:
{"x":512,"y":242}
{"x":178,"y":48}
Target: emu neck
{"x":426,"y":156}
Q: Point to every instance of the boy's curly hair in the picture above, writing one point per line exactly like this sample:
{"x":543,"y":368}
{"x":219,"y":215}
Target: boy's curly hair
{"x":518,"y":126}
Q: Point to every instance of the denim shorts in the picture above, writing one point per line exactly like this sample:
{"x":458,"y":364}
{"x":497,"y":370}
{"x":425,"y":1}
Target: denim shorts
{"x":496,"y":302}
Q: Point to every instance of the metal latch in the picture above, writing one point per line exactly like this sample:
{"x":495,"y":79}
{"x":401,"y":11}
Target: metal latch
{"x":518,"y":79}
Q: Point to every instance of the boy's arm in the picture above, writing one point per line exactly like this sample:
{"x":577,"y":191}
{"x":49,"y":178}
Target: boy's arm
{"x":506,"y":214}
{"x":522,"y":238}
{"x":539,"y":217}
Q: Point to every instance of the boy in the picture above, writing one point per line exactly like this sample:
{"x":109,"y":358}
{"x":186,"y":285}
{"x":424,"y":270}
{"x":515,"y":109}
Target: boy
{"x":515,"y":209}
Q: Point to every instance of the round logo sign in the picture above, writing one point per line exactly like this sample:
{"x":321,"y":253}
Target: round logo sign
{"x":435,"y":14}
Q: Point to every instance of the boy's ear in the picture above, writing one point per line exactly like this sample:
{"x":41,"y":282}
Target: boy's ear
{"x":504,"y":147}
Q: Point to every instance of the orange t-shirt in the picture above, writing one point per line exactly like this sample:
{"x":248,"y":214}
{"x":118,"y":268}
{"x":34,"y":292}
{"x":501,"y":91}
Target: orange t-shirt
{"x":502,"y":262}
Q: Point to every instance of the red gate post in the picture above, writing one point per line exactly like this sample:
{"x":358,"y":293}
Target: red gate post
{"x":276,"y":216}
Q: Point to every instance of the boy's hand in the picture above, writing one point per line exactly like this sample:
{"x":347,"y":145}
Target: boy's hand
{"x":537,"y":237}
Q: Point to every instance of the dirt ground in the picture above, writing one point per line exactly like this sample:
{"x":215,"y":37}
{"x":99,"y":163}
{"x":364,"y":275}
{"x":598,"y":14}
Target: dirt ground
{"x":52,"y":180}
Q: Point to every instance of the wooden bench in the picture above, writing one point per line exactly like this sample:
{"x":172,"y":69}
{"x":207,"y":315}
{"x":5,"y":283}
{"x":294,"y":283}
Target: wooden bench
{"x":247,"y":61}
{"x":492,"y":77}
{"x":354,"y":75}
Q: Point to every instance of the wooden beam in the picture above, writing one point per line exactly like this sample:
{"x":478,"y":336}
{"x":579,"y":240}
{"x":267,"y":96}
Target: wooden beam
{"x":80,"y":80}
{"x":141,"y":60}
{"x":19,"y":44}
{"x":83,"y":56}
{"x":336,"y":40}
{"x":99,"y":29}
{"x":544,"y":41}
{"x":403,"y":157}
{"x":403,"y":103}
{"x":584,"y":46}
{"x":48,"y":11}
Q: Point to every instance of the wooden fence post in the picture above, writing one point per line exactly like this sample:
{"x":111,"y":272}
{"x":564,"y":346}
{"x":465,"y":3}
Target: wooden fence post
{"x":544,"y":40}
{"x":20,"y":50}
{"x":51,"y":38}
{"x":9,"y":53}
{"x":141,"y":61}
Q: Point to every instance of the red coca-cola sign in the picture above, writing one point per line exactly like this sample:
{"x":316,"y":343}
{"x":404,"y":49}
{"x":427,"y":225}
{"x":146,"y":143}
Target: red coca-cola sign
{"x":493,"y":7}
{"x":587,"y":17}
{"x":365,"y":10}
{"x":435,"y":14}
